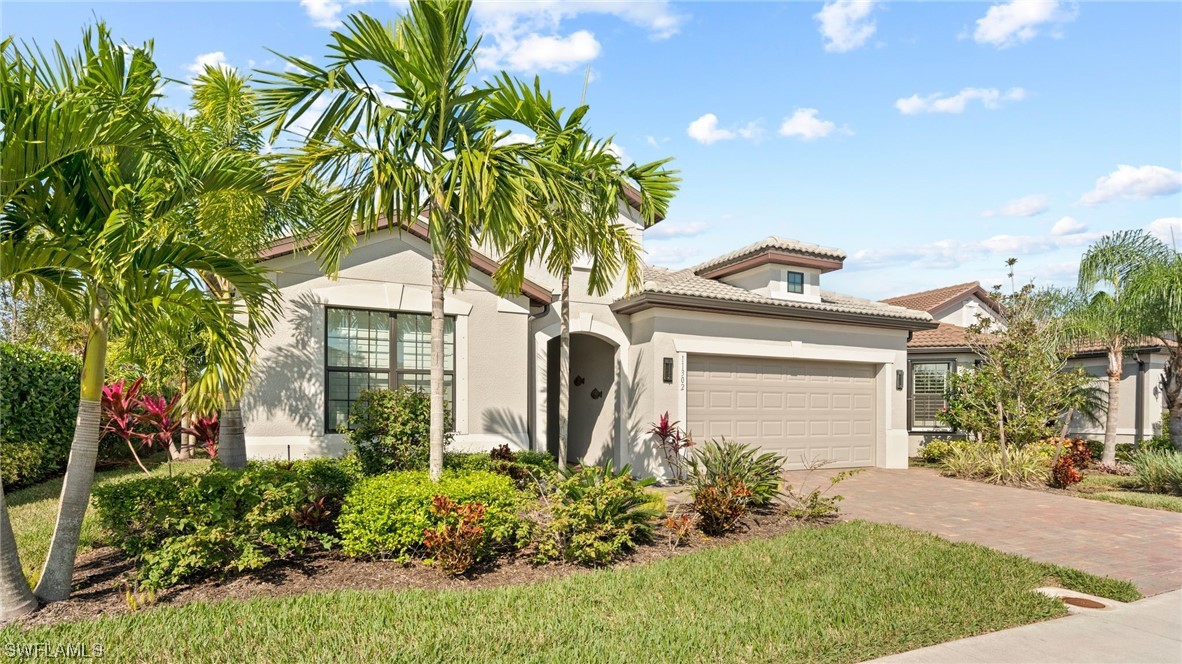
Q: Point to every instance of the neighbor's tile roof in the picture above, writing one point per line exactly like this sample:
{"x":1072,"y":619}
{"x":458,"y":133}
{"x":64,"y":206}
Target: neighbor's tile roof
{"x":946,"y":335}
{"x":932,"y":300}
{"x":686,"y":282}
{"x":771,"y":243}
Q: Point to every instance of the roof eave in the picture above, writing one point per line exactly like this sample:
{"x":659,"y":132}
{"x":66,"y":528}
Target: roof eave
{"x":645,"y":301}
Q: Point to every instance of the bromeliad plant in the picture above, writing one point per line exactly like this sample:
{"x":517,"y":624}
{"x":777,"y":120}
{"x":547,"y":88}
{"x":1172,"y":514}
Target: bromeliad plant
{"x":204,"y":429}
{"x":120,"y":410}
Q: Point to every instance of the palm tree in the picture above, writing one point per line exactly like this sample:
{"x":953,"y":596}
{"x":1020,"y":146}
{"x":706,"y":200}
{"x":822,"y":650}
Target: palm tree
{"x":16,"y":599}
{"x":1156,"y":291}
{"x":424,"y":149}
{"x":224,"y":121}
{"x":96,"y":229}
{"x":1106,"y":315}
{"x":583,"y":182}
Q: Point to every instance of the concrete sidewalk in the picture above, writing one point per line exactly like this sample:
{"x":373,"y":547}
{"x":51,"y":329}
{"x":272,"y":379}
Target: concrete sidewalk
{"x":1149,"y":630}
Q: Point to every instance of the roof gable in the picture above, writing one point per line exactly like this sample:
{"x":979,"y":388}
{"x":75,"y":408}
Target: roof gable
{"x":936,"y":299}
{"x":772,"y":249}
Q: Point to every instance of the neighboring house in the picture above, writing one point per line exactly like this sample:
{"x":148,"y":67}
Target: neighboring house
{"x":746,"y":346}
{"x":934,"y":354}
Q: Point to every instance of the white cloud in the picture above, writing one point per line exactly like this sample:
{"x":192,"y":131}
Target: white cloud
{"x":516,"y":137}
{"x":1068,"y":226}
{"x":526,"y":36}
{"x":324,"y":13}
{"x":937,"y":103}
{"x":846,"y":24}
{"x":1134,"y":182}
{"x":667,"y":230}
{"x":805,"y":125}
{"x":1020,"y":21}
{"x":706,"y":130}
{"x":1168,"y":230}
{"x":213,"y":59}
{"x":1027,"y":206}
{"x":655,"y":142}
{"x":550,"y":53}
{"x":670,"y":254}
{"x":944,"y":254}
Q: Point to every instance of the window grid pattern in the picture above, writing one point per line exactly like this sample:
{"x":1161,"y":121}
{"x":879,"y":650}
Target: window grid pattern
{"x":359,"y":346}
{"x":794,"y":282}
{"x":929,"y":393}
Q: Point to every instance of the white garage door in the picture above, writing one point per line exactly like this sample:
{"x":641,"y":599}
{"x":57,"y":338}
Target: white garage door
{"x":800,"y":409}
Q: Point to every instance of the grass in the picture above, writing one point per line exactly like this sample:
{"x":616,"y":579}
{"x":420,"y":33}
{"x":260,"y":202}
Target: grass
{"x":843,"y":593}
{"x":1156,"y":501}
{"x":33,"y":511}
{"x":1124,"y":490}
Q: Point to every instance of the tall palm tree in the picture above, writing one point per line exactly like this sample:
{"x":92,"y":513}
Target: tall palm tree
{"x":1156,"y":291}
{"x":581,"y":187}
{"x":425,"y":149}
{"x":95,"y":230}
{"x":224,"y":121}
{"x":1107,"y":316}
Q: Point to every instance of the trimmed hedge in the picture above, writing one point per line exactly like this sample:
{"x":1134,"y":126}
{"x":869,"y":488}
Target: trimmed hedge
{"x":387,"y":514}
{"x":38,"y":405}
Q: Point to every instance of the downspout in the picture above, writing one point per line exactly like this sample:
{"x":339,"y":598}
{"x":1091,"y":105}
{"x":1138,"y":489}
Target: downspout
{"x":1139,"y":417}
{"x":530,"y":378}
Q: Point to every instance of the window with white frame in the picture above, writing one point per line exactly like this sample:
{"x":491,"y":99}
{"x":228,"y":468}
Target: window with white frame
{"x":367,"y":350}
{"x":930,"y":382}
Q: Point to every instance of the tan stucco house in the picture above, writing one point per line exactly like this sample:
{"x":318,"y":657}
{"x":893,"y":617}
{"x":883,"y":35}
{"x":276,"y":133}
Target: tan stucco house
{"x":748,"y":345}
{"x":933,"y":354}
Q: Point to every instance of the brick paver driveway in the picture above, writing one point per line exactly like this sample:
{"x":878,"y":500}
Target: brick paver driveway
{"x":1134,"y":543}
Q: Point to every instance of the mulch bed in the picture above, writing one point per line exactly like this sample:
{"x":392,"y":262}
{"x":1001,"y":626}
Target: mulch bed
{"x":99,"y":577}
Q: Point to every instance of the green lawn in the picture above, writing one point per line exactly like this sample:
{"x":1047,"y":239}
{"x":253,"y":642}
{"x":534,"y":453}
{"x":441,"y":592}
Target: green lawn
{"x":1122,"y":490}
{"x":33,"y":511}
{"x":842,"y":593}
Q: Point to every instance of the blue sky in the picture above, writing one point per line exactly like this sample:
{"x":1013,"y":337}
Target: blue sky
{"x":930,"y":141}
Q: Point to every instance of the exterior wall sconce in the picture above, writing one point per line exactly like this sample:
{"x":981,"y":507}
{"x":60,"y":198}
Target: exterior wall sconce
{"x":667,"y":370}
{"x":579,"y":380}
{"x":899,"y":379}
{"x":595,"y":393}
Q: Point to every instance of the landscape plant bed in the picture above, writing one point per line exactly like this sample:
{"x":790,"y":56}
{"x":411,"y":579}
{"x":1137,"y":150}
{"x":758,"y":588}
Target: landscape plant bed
{"x":99,"y":587}
{"x":846,"y":592}
{"x":1117,"y":489}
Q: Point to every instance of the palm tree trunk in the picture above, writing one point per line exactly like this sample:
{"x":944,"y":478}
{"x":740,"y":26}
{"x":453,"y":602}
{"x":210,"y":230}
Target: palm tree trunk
{"x":435,"y":463}
{"x":16,"y":599}
{"x":1173,"y":393}
{"x":1062,"y":436}
{"x":1110,"y":418}
{"x":58,"y":573}
{"x":1001,"y":433}
{"x":184,"y":444}
{"x":564,"y":372}
{"x":231,"y":438}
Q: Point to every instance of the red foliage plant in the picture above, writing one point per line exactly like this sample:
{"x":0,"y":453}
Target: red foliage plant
{"x":1074,"y":456}
{"x":120,"y":408}
{"x":158,"y":417}
{"x":672,"y":441}
{"x":204,"y":430}
{"x":457,"y":541}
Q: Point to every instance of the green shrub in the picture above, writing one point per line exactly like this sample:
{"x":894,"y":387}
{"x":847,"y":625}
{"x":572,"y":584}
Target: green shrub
{"x":391,"y":429}
{"x":817,"y":504}
{"x":934,"y":451}
{"x":1026,"y":466}
{"x":525,"y":467}
{"x":597,"y":513}
{"x":733,"y":461}
{"x":387,"y":514}
{"x":38,"y":405}
{"x":1159,"y":472}
{"x":1160,"y":443}
{"x":178,"y":527}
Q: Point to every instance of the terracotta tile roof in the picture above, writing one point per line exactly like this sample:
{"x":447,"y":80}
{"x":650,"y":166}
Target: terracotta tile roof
{"x":1146,"y":343}
{"x":687,"y":283}
{"x":946,"y":335}
{"x":772,"y":243}
{"x":932,"y":300}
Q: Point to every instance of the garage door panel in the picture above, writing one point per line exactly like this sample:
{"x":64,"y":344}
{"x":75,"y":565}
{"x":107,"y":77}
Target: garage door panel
{"x":800,"y":409}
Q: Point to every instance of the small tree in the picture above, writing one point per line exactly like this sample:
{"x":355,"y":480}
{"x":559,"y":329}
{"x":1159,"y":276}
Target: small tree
{"x":1017,"y":393}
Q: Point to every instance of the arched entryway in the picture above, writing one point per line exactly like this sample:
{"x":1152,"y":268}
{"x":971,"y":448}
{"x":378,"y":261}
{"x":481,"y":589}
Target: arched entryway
{"x":593,"y":394}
